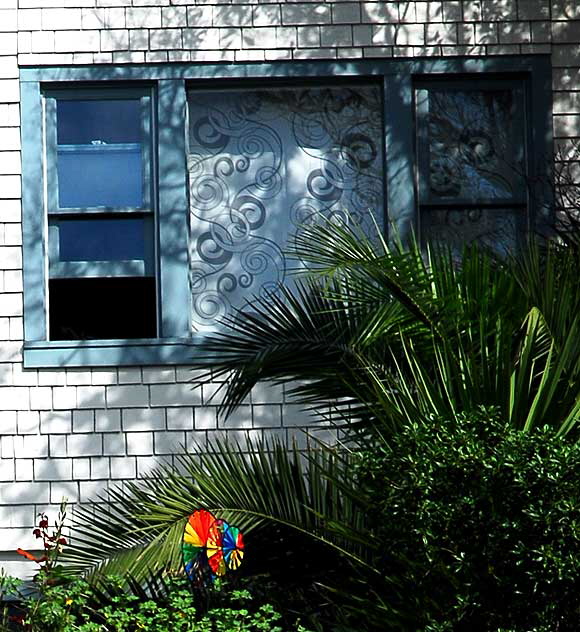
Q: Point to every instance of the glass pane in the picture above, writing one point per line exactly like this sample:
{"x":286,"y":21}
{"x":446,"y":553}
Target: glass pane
{"x":473,"y":143}
{"x":106,"y":121}
{"x":104,"y":239}
{"x":498,"y":229}
{"x":99,"y":154}
{"x":262,"y":162}
{"x":89,"y":309}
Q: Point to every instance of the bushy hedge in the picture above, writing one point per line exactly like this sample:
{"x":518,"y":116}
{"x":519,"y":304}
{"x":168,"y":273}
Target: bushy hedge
{"x":479,"y":526}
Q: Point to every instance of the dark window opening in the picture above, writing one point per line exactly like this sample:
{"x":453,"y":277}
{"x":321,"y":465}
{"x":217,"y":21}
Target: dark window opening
{"x":102,"y":308}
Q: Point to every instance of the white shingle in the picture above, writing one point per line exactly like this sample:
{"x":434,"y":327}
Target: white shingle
{"x":123,"y":467}
{"x":100,"y":468}
{"x":136,"y":18}
{"x":61,"y":19}
{"x":8,"y":420}
{"x":24,"y":493}
{"x":108,"y":420}
{"x":64,"y":490}
{"x":13,"y":397}
{"x":76,"y":41}
{"x":7,"y":471}
{"x":52,"y":469}
{"x":135,"y":396}
{"x":10,"y":304}
{"x":83,"y":421}
{"x":174,"y":395}
{"x":24,"y":469}
{"x":90,"y":396}
{"x":28,"y":422}
{"x":168,"y":442}
{"x":142,"y":419}
{"x":81,"y":468}
{"x":8,"y":20}
{"x":64,"y":397}
{"x":114,"y":444}
{"x":139,"y":443}
{"x":180,"y":418}
{"x":85,"y":445}
{"x":32,"y":446}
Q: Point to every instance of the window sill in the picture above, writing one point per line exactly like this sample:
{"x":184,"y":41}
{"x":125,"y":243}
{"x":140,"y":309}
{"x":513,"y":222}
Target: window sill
{"x":87,"y":353}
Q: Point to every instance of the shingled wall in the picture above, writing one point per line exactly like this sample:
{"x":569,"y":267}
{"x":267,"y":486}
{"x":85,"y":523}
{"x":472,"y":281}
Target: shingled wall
{"x":70,"y":432}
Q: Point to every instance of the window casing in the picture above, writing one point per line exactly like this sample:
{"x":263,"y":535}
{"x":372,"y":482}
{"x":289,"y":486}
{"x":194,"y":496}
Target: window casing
{"x":409,"y":92}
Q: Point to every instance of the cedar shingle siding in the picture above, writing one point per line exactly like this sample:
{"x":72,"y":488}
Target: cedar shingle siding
{"x":70,"y":432}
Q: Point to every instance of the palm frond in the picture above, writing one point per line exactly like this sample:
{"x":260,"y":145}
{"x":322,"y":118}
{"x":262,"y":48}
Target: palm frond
{"x":140,"y":528}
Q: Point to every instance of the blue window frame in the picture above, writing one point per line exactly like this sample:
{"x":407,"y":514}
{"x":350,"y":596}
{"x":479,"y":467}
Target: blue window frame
{"x":107,"y":180}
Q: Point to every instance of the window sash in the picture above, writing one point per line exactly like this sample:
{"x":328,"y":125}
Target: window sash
{"x":145,"y":266}
{"x":52,"y":147}
{"x":519,"y":140}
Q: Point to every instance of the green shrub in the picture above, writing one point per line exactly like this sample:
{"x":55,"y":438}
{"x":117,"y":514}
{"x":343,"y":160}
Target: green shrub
{"x":79,"y":607}
{"x":479,"y":526}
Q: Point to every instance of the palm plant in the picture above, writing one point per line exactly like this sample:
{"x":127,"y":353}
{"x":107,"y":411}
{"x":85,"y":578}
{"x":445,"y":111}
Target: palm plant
{"x":386,"y":334}
{"x":400,"y":334}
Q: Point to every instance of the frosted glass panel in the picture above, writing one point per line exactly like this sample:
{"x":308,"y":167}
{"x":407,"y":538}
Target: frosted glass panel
{"x":99,"y":154}
{"x":262,"y":162}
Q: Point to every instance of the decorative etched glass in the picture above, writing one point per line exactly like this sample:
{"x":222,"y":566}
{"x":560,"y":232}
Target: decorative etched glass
{"x":261,"y":163}
{"x":474,"y":150}
{"x":99,"y":154}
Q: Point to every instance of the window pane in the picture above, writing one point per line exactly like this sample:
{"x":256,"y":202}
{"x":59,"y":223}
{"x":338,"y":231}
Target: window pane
{"x":474,"y":144}
{"x":104,"y":239}
{"x":498,"y":229}
{"x":108,"y":121}
{"x":99,"y":154}
{"x":90,"y":309}
{"x":261,"y":162}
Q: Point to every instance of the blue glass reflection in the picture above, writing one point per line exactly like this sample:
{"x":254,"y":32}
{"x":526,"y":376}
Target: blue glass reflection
{"x":107,"y":176}
{"x":107,"y":120}
{"x":99,"y":155}
{"x":103,"y":239}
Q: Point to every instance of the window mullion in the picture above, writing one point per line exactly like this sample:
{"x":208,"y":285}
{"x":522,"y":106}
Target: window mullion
{"x":173,"y":209}
{"x":399,"y":143}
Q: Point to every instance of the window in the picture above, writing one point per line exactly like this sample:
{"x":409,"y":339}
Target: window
{"x":100,"y":215}
{"x":471,"y":156}
{"x":262,"y":161}
{"x":157,"y":199}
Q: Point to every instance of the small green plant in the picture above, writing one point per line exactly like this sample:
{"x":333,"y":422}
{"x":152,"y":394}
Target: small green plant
{"x":10,"y":588}
{"x":80,"y":607}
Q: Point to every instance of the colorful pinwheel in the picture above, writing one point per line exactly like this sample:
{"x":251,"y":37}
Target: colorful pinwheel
{"x":210,"y":542}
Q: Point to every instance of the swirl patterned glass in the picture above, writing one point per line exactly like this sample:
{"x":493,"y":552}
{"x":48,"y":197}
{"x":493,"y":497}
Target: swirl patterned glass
{"x":472,"y":169}
{"x":261,"y":163}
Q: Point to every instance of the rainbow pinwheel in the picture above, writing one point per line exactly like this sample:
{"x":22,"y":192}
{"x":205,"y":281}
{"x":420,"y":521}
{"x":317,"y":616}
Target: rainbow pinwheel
{"x":210,"y":542}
